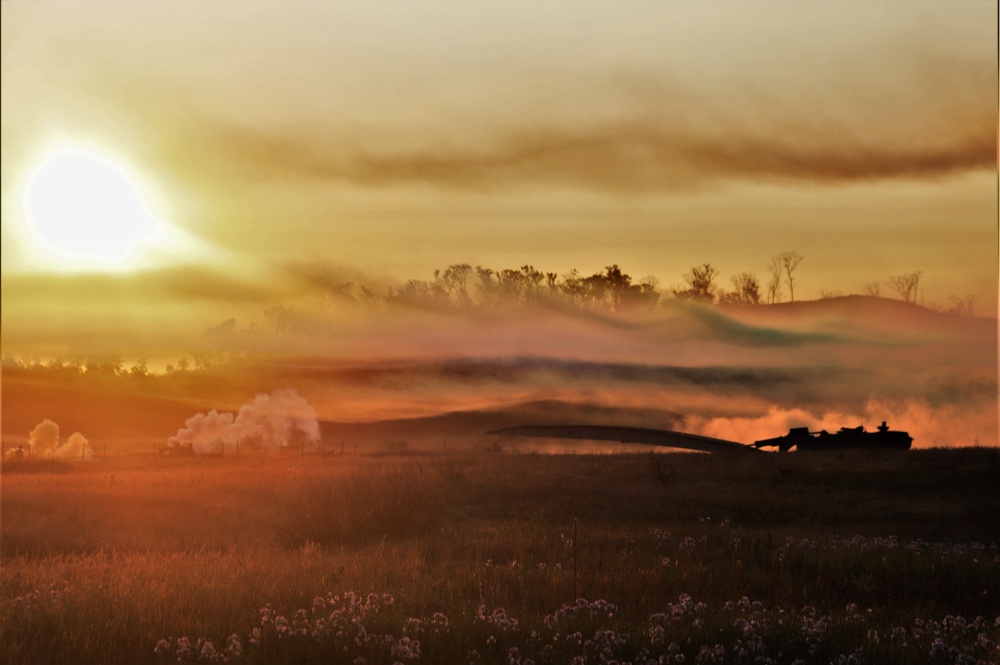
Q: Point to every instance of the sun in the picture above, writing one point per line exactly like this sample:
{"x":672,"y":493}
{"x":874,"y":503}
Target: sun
{"x":84,"y":209}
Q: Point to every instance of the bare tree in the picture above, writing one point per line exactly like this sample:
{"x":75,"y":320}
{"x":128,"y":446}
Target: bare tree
{"x":906,"y":285}
{"x":746,"y":290}
{"x":872,"y":289}
{"x":455,"y":281}
{"x":774,"y":284}
{"x":789,"y":261}
{"x":962,"y":306}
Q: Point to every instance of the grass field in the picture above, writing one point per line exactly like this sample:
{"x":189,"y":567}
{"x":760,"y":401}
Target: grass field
{"x":496,"y":557}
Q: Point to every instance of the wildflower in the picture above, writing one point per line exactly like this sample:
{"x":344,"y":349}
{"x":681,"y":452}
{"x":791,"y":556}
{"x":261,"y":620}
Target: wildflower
{"x":234,"y":648}
{"x":413,"y":627}
{"x":162,"y":647}
{"x":208,"y":652}
{"x":439,"y":623}
{"x":405,"y":649}
{"x":183,"y":648}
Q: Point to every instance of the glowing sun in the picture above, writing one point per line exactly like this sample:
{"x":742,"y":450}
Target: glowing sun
{"x":85,"y":210}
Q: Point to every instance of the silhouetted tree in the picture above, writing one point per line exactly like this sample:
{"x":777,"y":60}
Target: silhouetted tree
{"x":774,"y":284}
{"x":420,"y":293}
{"x":789,"y":262}
{"x":487,"y":286}
{"x":873,"y":289}
{"x":140,"y":369}
{"x":746,"y":290}
{"x":906,"y":285}
{"x":107,"y":366}
{"x":455,"y":280}
{"x":962,"y":306}
{"x":573,"y":287}
{"x":701,"y":283}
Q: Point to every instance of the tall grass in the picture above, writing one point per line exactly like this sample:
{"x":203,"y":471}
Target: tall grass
{"x":360,"y":507}
{"x":112,"y":558}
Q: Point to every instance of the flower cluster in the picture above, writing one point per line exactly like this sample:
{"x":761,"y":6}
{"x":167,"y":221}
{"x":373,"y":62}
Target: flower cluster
{"x":891,"y":543}
{"x":54,"y":594}
{"x":497,"y":618}
{"x":363,"y":630}
{"x":201,"y":651}
{"x":340,"y":624}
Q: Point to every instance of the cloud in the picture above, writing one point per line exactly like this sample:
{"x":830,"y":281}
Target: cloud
{"x":890,"y":111}
{"x":658,"y":151}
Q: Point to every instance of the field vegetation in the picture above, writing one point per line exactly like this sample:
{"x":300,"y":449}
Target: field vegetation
{"x":485,"y":555}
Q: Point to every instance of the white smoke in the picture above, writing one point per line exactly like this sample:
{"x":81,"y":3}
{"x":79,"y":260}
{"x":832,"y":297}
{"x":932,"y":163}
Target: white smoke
{"x":44,"y":438}
{"x":268,"y":423}
{"x":44,"y":442}
{"x":76,"y":448}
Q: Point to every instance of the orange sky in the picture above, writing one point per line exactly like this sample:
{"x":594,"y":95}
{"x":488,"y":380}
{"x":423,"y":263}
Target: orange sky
{"x":376,"y":142}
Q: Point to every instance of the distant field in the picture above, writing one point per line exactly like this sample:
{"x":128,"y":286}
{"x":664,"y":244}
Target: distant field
{"x":483,"y":556}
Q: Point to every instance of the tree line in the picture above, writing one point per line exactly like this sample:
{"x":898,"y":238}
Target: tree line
{"x":462,"y":286}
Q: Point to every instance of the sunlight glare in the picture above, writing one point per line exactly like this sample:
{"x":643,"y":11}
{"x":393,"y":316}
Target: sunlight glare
{"x":84,"y":210}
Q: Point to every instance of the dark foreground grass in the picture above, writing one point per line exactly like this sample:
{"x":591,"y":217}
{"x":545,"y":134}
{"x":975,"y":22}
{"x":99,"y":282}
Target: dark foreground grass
{"x":483,"y":557}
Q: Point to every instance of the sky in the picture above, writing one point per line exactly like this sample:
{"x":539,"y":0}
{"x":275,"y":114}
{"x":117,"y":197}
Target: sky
{"x":273,"y":149}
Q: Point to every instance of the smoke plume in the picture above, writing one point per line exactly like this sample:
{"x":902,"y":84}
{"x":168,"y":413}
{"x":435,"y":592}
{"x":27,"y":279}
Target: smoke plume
{"x":44,"y":441}
{"x":269,"y":422}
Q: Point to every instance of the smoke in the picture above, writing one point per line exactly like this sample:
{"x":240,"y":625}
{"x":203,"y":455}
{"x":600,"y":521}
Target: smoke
{"x":76,"y":448}
{"x":44,"y":438}
{"x":44,"y":441}
{"x":930,"y":426}
{"x":269,"y":422}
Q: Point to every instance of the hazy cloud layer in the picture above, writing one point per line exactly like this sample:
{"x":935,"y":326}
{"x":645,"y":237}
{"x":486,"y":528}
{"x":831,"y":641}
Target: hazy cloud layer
{"x":684,"y":142}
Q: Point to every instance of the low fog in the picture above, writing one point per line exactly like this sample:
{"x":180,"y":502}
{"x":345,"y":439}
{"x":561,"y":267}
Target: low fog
{"x":740,"y":373}
{"x":334,"y":371}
